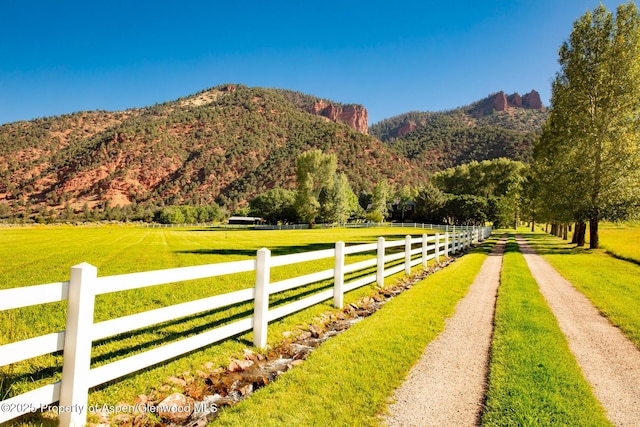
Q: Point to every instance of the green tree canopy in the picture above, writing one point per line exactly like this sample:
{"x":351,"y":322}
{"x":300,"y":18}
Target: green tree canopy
{"x":498,"y":181}
{"x":314,"y":172}
{"x":379,"y":210}
{"x":338,"y":202}
{"x":274,"y":206}
{"x":589,"y":151}
{"x":429,"y":203}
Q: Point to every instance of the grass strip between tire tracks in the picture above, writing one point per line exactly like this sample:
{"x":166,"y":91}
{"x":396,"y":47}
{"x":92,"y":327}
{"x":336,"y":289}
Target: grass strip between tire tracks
{"x":349,"y":379}
{"x":534,"y":379}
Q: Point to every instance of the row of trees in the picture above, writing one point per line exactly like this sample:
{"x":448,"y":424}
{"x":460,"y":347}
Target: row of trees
{"x":321,"y":195}
{"x":130,"y":213}
{"x":473,"y":193}
{"x":468,"y":194}
{"x":585,"y":164}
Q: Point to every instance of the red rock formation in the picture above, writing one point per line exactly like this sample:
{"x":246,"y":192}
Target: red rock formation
{"x":500,"y":101}
{"x":318,"y":107}
{"x":532,"y":100}
{"x":405,"y":129}
{"x":514,"y":100}
{"x":354,"y":116}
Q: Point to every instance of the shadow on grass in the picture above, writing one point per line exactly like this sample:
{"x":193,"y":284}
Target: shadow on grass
{"x":486,"y":246}
{"x":161,"y":334}
{"x":148,"y":338}
{"x":511,"y":246}
{"x":275,"y":251}
{"x":236,"y":252}
{"x":545,"y":244}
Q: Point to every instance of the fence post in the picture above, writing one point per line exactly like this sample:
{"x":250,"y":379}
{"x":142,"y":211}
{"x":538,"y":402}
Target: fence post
{"x":74,"y":386}
{"x":407,"y":254}
{"x":338,"y":276}
{"x":453,"y":240}
{"x":446,"y":244}
{"x":437,"y":251}
{"x":261,"y":296}
{"x":380,"y":263}
{"x":425,"y":248}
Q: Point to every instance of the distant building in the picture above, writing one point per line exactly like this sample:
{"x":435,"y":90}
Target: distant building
{"x":397,"y":214}
{"x":245,"y":220}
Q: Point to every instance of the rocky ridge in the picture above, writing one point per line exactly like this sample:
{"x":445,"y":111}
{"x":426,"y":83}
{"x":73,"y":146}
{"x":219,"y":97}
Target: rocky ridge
{"x":502,"y":102}
{"x":353,"y":115}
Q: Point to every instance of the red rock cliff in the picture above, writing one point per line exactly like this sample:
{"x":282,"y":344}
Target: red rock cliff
{"x":354,"y":116}
{"x":500,"y":101}
{"x":532,"y":100}
{"x":503,"y":102}
{"x":405,"y":129}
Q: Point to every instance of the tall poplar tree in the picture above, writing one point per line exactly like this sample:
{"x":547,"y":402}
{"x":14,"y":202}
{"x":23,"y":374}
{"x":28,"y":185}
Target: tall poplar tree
{"x":379,"y":201}
{"x":314,"y":172}
{"x":591,"y":140}
{"x":338,"y":202}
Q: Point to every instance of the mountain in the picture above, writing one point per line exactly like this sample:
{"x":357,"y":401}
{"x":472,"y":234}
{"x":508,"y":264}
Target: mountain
{"x":499,"y":125}
{"x":229,"y":143}
{"x":223,"y":145}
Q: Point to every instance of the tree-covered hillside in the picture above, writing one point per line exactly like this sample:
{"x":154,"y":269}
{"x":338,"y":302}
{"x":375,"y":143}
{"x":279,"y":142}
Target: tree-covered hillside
{"x":476,"y":132}
{"x":223,"y":145}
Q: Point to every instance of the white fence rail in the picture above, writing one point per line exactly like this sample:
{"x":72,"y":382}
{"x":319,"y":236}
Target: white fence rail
{"x":80,"y":291}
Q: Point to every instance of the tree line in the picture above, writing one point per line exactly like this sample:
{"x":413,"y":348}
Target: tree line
{"x":470,"y":194}
{"x":134,"y":212}
{"x":585,"y":163}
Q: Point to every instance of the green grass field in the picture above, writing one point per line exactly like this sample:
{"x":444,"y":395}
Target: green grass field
{"x":39,"y":255}
{"x":622,"y":240}
{"x":534,"y":379}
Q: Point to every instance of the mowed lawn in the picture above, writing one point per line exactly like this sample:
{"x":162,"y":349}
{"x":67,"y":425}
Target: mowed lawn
{"x":37,"y":255}
{"x":621,"y":240}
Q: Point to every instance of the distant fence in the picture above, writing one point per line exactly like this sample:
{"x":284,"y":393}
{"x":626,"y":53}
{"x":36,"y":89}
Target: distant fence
{"x":445,"y":228}
{"x":80,"y":292}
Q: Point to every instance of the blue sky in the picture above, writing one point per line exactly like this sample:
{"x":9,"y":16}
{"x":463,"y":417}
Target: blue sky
{"x":392,"y":57}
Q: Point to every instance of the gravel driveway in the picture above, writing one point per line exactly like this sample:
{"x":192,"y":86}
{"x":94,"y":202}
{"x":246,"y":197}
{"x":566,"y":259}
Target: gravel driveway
{"x":447,"y":385}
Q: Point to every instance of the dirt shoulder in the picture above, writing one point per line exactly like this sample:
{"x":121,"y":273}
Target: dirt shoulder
{"x":610,"y":362}
{"x":446,"y":387}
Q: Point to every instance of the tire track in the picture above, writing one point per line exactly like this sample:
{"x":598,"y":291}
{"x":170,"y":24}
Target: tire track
{"x":447,"y":385}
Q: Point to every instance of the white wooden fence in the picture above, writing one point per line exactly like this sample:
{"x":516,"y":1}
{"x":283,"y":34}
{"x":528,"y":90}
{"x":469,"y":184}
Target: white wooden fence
{"x":80,"y":291}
